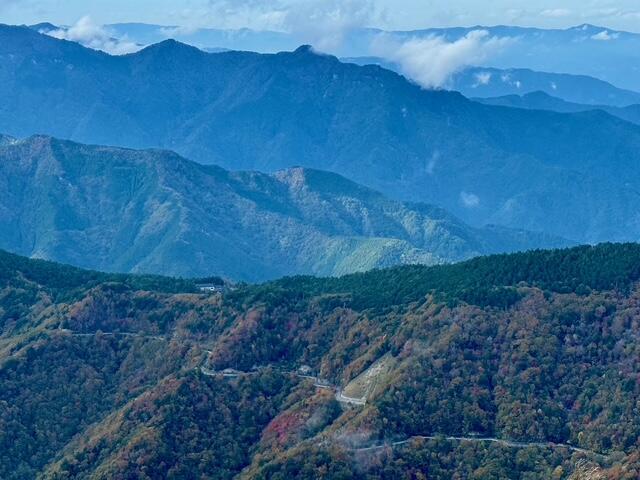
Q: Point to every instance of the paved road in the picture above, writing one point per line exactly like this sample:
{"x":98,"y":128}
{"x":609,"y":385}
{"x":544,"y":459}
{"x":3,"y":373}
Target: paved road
{"x":113,"y":334}
{"x":362,"y":401}
{"x":505,"y":443}
{"x":350,"y":400}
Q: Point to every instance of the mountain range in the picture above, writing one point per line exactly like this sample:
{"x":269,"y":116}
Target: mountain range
{"x":568,"y":175}
{"x":484,"y":82}
{"x":543,"y":101}
{"x":122,"y":210}
{"x":510,"y":367}
{"x":493,"y":82}
{"x":585,"y":49}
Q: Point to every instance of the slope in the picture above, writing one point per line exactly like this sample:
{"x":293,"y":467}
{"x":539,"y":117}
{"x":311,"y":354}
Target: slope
{"x":153,"y":211}
{"x":540,"y":171}
{"x":542,"y":101}
{"x":533,"y":375}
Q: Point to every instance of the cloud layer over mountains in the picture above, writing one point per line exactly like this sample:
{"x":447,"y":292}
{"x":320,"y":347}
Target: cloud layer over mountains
{"x":92,"y":35}
{"x":432,"y":60}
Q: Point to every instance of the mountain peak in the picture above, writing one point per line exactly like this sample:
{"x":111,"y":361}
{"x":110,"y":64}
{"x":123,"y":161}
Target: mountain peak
{"x":44,"y":27}
{"x":587,"y":27}
{"x":6,"y":140}
{"x":171,"y":46}
{"x":304,"y":49}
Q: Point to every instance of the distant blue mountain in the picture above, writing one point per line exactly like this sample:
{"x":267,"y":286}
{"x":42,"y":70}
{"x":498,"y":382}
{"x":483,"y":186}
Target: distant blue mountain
{"x":207,"y":38}
{"x":542,"y":101}
{"x":590,"y":50}
{"x":491,"y":82}
{"x":152,"y":211}
{"x":481,"y":82}
{"x":574,"y":175}
{"x":583,"y":50}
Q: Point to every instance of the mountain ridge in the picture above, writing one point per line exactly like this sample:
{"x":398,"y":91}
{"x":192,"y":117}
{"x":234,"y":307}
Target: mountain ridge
{"x":485,"y":164}
{"x":585,"y":49}
{"x":544,"y":101}
{"x":252,"y":383}
{"x":153,"y":211}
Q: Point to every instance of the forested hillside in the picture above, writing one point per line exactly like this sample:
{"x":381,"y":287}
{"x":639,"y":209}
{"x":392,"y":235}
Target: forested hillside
{"x":153,"y":211}
{"x":508,"y":367}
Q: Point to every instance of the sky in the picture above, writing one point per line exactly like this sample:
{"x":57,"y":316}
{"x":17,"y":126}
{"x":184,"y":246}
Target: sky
{"x":279,"y":14}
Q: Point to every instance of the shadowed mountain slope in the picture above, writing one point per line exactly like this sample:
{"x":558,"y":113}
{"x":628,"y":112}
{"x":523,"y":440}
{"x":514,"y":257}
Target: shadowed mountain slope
{"x":571,"y":175}
{"x":153,"y":211}
{"x":542,"y":101}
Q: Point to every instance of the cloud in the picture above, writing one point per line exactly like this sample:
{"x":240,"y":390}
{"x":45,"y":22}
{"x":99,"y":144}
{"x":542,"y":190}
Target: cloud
{"x":325,"y":23}
{"x":431,"y":165}
{"x":469,"y":200}
{"x":508,"y":79}
{"x":605,"y":36}
{"x":556,"y":13}
{"x":95,"y":36}
{"x":482,"y":78}
{"x":321,"y":23}
{"x":430,"y":61}
{"x":236,"y":14}
{"x":174,"y":32}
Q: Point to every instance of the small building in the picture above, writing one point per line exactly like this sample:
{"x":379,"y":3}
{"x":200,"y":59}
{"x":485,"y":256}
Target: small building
{"x":210,"y":288}
{"x":305,"y":370}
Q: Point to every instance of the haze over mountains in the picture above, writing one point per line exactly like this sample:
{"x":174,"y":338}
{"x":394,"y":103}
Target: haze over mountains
{"x":543,"y":101}
{"x":592,"y":50}
{"x":586,"y":49}
{"x":533,"y":170}
{"x":486,"y":82}
{"x":478,"y":81}
{"x":492,"y":82}
{"x":121,"y":210}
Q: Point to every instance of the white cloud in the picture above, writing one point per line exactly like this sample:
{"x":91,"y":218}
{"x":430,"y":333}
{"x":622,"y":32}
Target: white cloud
{"x":321,"y":23}
{"x":469,"y":200}
{"x":605,"y":36}
{"x":508,"y":79}
{"x":556,"y":13}
{"x":325,"y":23}
{"x":430,"y":61}
{"x":95,"y":36}
{"x":173,"y":32}
{"x":482,"y":78}
{"x":237,"y":14}
{"x":431,"y":165}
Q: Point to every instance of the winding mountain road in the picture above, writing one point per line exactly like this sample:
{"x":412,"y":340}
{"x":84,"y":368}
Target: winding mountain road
{"x":114,"y":334}
{"x":505,"y":443}
{"x":319,"y":383}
